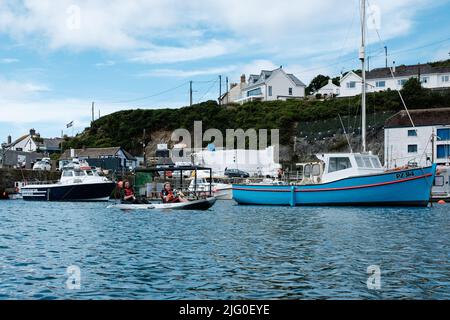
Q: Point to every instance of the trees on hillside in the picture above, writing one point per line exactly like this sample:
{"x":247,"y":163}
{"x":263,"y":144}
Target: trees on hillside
{"x":319,"y":81}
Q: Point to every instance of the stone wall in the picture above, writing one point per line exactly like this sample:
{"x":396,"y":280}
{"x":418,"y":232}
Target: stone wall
{"x":9,"y":176}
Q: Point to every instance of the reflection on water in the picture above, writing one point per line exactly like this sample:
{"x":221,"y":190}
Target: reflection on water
{"x":229,"y":252}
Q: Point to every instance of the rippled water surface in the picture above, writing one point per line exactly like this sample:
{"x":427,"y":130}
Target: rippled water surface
{"x":229,"y":252}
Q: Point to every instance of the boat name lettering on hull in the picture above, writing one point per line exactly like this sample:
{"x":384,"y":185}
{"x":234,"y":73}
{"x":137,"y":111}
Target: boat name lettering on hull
{"x":405,"y":175}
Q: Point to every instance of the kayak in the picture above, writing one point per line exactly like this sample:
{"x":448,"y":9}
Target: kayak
{"x":203,"y":204}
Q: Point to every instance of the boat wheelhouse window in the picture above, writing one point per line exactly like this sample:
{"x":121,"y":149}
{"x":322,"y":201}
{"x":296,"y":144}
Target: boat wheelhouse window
{"x":307,"y":170}
{"x":367,"y":163}
{"x":339,"y":164}
{"x":79,"y":173}
{"x":359,"y":161}
{"x":89,"y":173}
{"x":376,"y":162}
{"x":67,"y":174}
{"x":316,"y":170}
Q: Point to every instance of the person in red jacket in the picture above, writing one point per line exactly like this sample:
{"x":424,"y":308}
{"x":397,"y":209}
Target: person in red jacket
{"x":169,"y":196}
{"x":128,"y":194}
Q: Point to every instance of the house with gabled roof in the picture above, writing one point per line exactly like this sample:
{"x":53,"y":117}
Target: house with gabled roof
{"x":33,"y":142}
{"x":272,"y":85}
{"x":434,"y":76}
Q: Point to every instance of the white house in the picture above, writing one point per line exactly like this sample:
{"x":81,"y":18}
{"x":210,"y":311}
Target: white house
{"x":330,"y":89}
{"x":272,"y":85}
{"x":234,"y":93}
{"x":255,"y":162}
{"x":431,"y":77}
{"x":33,"y":142}
{"x":405,"y":144}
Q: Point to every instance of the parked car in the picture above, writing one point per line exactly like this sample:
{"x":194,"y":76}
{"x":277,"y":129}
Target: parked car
{"x":235,"y":173}
{"x":43,"y":165}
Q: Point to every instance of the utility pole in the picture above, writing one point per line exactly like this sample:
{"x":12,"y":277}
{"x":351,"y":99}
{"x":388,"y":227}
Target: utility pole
{"x":220,"y":90}
{"x":386,"y":55}
{"x":228,"y":96}
{"x":190,"y":93}
{"x":144,"y":146}
{"x":368,"y":63}
{"x":93,"y":107}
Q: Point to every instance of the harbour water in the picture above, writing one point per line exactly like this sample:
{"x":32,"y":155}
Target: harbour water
{"x":229,"y":252}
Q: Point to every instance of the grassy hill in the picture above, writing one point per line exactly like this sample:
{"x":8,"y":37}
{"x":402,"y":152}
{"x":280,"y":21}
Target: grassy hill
{"x":125,"y":128}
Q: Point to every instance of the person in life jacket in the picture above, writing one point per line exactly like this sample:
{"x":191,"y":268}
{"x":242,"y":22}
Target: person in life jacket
{"x":129,"y":197}
{"x":169,"y":196}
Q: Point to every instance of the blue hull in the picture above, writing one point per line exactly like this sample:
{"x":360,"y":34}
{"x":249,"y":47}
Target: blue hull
{"x":400,"y":188}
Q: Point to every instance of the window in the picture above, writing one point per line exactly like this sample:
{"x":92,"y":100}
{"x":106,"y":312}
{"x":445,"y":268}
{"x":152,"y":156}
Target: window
{"x":316,"y":170}
{"x":359,"y":161}
{"x":380,"y":84}
{"x":255,"y":92}
{"x":290,"y":91}
{"x":351,"y":84}
{"x":367,"y":163}
{"x":67,"y":174}
{"x":445,"y":78}
{"x":412,"y":148}
{"x":402,"y":82}
{"x":376,"y":163}
{"x":439,"y":181}
{"x":339,"y":164}
{"x":412,"y":133}
{"x":443,"y":134}
{"x":307,"y":170}
{"x":270,"y":91}
{"x":443,"y":151}
{"x":424,"y":79}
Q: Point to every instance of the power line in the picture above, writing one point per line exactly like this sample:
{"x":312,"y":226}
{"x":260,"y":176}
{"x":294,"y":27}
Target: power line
{"x":208,"y":91}
{"x":150,"y":96}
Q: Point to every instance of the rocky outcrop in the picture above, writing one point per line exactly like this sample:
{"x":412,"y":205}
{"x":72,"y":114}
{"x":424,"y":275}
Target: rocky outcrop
{"x":305,"y":149}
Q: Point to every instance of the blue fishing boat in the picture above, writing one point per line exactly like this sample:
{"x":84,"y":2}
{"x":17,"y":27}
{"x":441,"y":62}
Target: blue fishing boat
{"x":345,"y":180}
{"x":352,"y":179}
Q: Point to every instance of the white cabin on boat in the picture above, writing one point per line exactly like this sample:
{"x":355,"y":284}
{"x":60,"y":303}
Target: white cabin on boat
{"x":346,"y":165}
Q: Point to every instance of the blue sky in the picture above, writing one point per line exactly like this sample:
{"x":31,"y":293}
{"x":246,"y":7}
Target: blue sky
{"x":56,"y":57}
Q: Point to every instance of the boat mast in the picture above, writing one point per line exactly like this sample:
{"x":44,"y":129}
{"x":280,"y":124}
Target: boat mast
{"x":362,"y":57}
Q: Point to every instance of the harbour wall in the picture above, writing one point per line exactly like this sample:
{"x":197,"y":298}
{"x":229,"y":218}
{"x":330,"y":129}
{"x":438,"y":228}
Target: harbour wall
{"x":9,"y":176}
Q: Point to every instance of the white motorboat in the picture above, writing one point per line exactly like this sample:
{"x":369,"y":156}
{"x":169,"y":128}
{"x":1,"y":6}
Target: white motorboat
{"x":79,"y":182}
{"x":221,"y":191}
{"x":202,"y":204}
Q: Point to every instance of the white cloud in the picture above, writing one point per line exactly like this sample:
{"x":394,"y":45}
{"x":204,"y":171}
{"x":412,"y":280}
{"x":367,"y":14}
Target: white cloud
{"x":108,"y":63}
{"x":177,"y":73}
{"x":9,"y":60}
{"x":161,"y":54}
{"x":15,"y":89}
{"x":167,"y":31}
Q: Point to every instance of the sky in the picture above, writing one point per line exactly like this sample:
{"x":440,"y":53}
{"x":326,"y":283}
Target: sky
{"x":59,"y":56}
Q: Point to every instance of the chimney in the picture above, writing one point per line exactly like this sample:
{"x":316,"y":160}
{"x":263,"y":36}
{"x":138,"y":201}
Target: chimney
{"x":32,"y":132}
{"x":394,"y":67}
{"x":330,"y":81}
{"x":9,"y":141}
{"x":243,"y":80}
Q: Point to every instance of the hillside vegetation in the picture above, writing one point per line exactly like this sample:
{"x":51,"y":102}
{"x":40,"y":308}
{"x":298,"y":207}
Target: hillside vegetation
{"x":125,"y":128}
